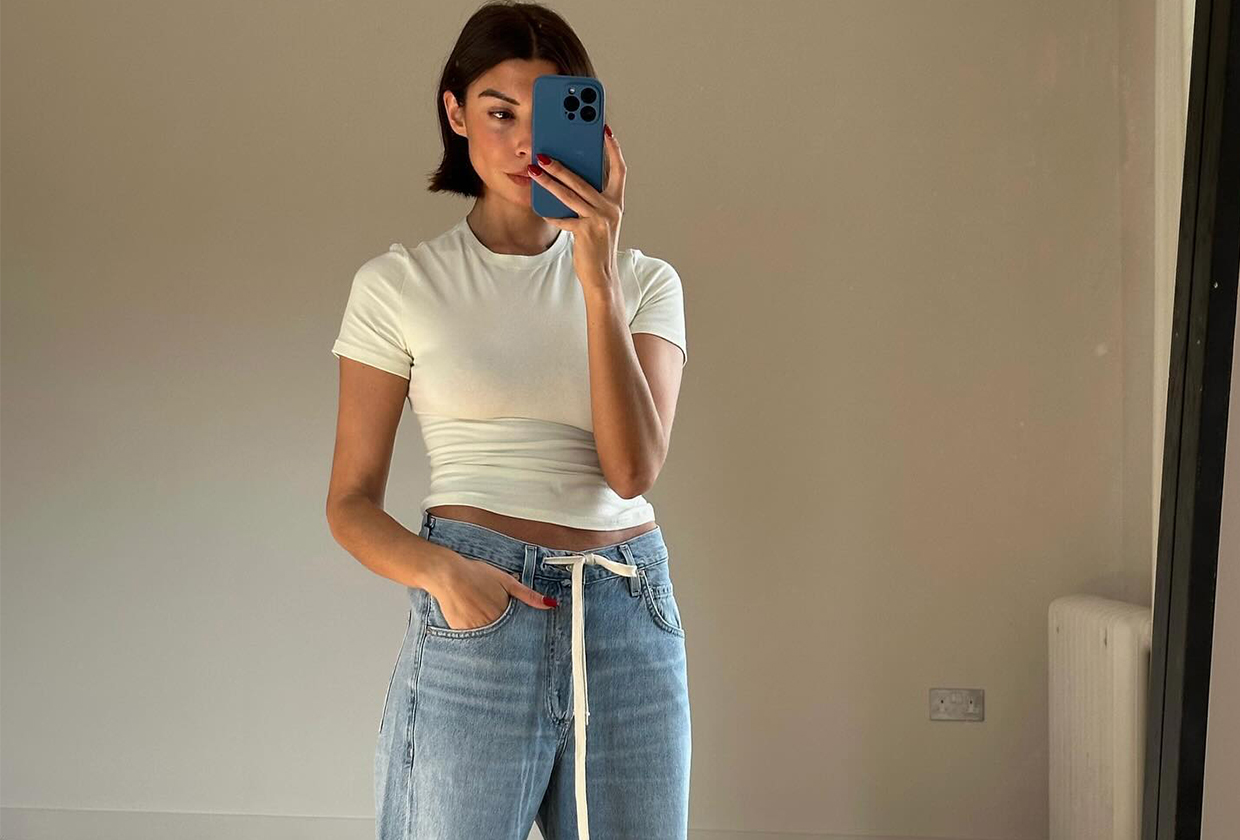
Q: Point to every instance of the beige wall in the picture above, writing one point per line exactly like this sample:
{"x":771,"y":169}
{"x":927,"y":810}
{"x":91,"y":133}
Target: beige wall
{"x":1137,"y":61}
{"x":914,"y":243}
{"x":1220,"y":808}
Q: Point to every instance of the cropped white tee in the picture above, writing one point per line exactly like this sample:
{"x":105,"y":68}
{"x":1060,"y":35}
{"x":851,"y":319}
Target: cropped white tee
{"x":495,"y":350}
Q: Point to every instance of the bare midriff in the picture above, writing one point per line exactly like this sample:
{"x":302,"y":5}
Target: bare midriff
{"x":548,"y":534}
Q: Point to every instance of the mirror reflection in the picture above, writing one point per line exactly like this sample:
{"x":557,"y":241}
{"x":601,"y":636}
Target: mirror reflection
{"x":879,"y":563}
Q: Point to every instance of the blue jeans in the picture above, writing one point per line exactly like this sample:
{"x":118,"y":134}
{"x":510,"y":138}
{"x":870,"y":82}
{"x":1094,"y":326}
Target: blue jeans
{"x":481,"y":731}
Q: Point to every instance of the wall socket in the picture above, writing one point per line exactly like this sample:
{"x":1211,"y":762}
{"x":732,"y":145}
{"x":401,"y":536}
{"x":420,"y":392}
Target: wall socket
{"x":957,"y":704}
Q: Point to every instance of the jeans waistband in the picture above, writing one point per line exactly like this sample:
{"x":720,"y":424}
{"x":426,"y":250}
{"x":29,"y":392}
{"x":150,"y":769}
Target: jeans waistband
{"x":481,"y":543}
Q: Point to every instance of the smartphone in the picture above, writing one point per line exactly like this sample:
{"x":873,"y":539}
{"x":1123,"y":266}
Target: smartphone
{"x":568,"y":127}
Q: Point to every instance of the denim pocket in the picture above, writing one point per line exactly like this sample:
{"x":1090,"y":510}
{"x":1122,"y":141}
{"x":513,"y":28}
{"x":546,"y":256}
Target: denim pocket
{"x":657,"y":593}
{"x":437,"y":624}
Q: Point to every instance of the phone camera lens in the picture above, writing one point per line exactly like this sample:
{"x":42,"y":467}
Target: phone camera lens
{"x":588,"y":95}
{"x":570,"y":103}
{"x":587,"y":113}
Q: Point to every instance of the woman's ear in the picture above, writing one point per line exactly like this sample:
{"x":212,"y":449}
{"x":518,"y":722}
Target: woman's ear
{"x":453,"y":109}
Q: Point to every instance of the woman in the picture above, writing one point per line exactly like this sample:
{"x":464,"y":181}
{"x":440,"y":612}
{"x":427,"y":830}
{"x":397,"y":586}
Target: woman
{"x":544,"y":365}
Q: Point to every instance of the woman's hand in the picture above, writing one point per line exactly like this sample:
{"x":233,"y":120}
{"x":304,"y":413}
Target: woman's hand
{"x":473,"y":593}
{"x":597,"y":230}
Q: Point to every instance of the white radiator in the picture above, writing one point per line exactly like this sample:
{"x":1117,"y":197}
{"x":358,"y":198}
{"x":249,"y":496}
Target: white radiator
{"x":1099,"y":670}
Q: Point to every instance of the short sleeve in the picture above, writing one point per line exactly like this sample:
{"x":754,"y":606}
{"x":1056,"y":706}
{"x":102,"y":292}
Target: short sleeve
{"x":372,"y":329}
{"x":660,"y":301}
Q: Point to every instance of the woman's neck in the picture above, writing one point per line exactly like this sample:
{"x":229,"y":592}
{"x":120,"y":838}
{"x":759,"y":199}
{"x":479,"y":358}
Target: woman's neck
{"x":513,"y":233}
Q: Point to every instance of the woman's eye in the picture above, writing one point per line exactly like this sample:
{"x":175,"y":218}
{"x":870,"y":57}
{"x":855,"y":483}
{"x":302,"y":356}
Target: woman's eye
{"x":501,"y":112}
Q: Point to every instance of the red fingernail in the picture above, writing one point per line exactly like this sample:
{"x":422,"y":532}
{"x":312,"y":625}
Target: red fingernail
{"x":543,"y":159}
{"x":534,"y":169}
{"x":549,"y":601}
{"x":607,"y":128}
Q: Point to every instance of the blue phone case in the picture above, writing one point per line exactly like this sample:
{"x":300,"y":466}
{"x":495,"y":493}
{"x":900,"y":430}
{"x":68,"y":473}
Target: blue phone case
{"x":561,"y":133}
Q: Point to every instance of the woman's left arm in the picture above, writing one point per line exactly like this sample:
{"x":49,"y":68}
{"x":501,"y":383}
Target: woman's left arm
{"x":634,"y":380}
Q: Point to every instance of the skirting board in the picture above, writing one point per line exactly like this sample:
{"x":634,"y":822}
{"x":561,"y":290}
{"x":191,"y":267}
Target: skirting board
{"x":72,"y":824}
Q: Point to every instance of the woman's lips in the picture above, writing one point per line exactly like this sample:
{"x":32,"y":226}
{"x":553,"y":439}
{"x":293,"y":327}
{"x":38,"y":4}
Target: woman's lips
{"x":520,"y":179}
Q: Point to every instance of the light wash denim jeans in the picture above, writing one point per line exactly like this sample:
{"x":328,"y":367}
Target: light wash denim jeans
{"x":479,"y":735}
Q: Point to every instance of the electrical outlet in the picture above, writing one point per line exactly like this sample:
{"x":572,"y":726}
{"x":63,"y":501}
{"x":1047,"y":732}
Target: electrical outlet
{"x":957,"y":704}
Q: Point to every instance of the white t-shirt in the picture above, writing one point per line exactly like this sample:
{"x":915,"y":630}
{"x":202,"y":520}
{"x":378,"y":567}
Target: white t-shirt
{"x":495,"y":350}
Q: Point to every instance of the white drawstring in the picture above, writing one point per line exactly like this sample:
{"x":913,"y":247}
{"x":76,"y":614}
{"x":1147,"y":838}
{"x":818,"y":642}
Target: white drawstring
{"x":581,"y":700}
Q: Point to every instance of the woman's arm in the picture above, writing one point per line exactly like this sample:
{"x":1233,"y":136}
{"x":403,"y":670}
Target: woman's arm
{"x":634,"y":385}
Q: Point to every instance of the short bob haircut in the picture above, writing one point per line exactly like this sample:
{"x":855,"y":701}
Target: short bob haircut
{"x":497,"y":32}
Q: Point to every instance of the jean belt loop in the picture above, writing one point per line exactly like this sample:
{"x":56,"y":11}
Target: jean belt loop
{"x":531,"y":560}
{"x":635,"y":584}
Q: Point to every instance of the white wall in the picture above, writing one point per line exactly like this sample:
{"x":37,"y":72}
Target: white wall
{"x":1220,"y":808}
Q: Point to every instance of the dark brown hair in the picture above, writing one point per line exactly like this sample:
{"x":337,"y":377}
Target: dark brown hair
{"x":497,"y":32}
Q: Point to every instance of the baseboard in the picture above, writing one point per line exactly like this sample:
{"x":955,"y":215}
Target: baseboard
{"x":86,"y":824}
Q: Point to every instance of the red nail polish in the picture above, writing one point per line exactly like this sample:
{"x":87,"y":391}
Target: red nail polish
{"x":543,"y":159}
{"x":534,"y":169}
{"x":607,"y":128}
{"x":549,"y":601}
